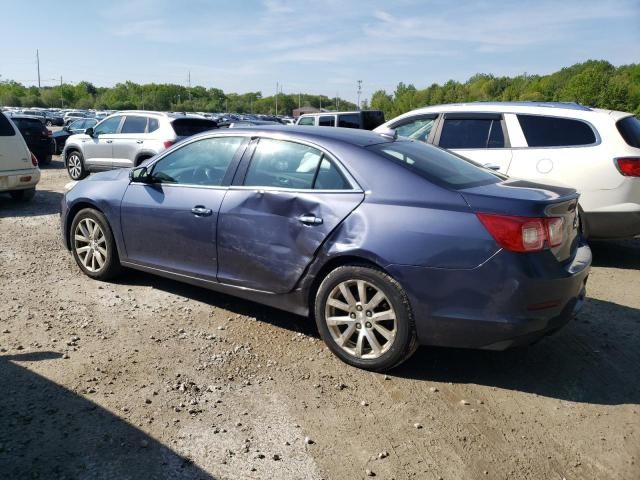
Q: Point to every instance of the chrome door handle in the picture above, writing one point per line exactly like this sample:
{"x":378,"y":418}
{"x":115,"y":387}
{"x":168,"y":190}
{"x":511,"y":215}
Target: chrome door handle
{"x":109,"y":141}
{"x":310,"y":220}
{"x":139,"y":141}
{"x":200,"y":211}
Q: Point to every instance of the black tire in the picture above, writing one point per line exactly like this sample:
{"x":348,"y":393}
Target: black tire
{"x":111,"y":266}
{"x":23,"y":195}
{"x":141,"y":159}
{"x":75,"y":165}
{"x":404,"y":343}
{"x":45,"y":160}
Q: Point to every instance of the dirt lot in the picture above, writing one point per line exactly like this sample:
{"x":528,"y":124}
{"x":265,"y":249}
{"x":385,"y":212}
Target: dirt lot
{"x":150,"y":378}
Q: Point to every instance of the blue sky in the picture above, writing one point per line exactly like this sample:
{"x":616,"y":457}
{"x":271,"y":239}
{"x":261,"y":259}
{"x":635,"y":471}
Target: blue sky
{"x":310,"y":46}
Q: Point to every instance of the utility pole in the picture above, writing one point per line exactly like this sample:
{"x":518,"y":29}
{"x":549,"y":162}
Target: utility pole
{"x":299,"y":104}
{"x":38,"y":64}
{"x":277,"y":98}
{"x":359,"y":92}
{"x":189,"y":80}
{"x":337,"y":101}
{"x":61,"y":97}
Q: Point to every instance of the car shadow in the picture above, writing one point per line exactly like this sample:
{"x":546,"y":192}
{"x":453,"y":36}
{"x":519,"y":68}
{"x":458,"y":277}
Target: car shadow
{"x":263,"y":313}
{"x":55,"y":164}
{"x":47,"y":431}
{"x":594,"y":359}
{"x":624,"y":254}
{"x":45,"y":202}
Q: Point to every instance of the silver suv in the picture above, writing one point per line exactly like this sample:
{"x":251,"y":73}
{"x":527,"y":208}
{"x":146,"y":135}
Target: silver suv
{"x":125,"y":139}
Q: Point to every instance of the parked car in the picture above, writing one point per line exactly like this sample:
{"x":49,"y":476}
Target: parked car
{"x":77,"y":126}
{"x":596,"y":151}
{"x":363,"y":119}
{"x":54,"y":119}
{"x":39,"y":114}
{"x":19,"y":172}
{"x":36,"y":135}
{"x":74,"y":115}
{"x":388,"y":243}
{"x":127,"y":139}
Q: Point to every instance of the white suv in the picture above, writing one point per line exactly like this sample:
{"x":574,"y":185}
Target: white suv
{"x":125,"y":139}
{"x":595,"y":151}
{"x":19,"y":172}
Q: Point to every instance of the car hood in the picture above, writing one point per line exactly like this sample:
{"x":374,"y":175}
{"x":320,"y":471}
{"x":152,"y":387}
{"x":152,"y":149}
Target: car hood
{"x":109,"y":176}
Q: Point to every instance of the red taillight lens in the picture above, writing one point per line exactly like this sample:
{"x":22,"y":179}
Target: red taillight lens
{"x":34,"y":160}
{"x":168,"y":143}
{"x":523,"y":234}
{"x":629,"y":166}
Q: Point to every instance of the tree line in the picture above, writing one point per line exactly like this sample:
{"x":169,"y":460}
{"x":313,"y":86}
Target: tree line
{"x":594,"y":83}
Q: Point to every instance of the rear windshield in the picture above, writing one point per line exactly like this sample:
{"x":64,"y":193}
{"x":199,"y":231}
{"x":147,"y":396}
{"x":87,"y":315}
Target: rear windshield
{"x":6,"y":130}
{"x":27,"y":123}
{"x":629,"y":128}
{"x":372,"y":119}
{"x":436,"y":165}
{"x":185,"y":127}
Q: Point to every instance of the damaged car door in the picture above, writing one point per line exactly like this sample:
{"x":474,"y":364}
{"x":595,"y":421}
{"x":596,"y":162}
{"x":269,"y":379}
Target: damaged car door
{"x":291,"y":196}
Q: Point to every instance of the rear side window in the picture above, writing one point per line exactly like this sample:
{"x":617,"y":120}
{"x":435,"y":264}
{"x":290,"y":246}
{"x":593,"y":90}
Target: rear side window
{"x":327,"y":121}
{"x":185,"y":127}
{"x":307,"y":121}
{"x":542,"y":131}
{"x":6,"y":130}
{"x":134,"y":124}
{"x":629,"y":128}
{"x":436,"y":165}
{"x":350,"y":120}
{"x":153,"y":125}
{"x":471,"y":133}
{"x":282,"y":164}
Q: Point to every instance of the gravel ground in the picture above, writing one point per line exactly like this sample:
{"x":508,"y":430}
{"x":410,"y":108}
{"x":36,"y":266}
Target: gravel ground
{"x":149,"y":378}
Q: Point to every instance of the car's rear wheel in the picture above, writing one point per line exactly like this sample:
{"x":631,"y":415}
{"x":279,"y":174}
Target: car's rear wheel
{"x":364,"y":317}
{"x":75,"y":165}
{"x":93,"y":245}
{"x":23,"y":195}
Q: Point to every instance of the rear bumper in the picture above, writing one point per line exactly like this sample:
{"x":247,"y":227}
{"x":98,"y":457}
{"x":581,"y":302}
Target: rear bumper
{"x":17,"y":179}
{"x":611,"y":225}
{"x":512,"y":299}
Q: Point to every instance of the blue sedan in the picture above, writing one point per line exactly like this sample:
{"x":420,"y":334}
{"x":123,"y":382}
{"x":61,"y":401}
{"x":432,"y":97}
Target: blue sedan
{"x":389,"y":243}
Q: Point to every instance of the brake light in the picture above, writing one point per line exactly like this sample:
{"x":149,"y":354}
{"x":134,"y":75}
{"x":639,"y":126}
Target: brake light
{"x":523,"y":234}
{"x":34,"y":160}
{"x":629,"y":166}
{"x":168,"y":143}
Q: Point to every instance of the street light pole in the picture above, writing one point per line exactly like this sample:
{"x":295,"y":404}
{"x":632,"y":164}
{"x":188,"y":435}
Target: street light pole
{"x":359,"y":92}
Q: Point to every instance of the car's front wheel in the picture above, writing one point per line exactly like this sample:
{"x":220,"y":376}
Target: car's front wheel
{"x":365,"y":318}
{"x":75,"y":165}
{"x":93,"y":246}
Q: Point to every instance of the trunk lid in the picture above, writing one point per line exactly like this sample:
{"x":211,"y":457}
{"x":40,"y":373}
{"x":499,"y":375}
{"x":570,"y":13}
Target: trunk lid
{"x":529,"y":199}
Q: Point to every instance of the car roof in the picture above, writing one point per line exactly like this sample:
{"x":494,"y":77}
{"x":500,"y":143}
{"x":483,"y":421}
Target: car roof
{"x":352,"y":136}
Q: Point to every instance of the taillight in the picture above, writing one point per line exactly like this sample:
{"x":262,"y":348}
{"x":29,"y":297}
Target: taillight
{"x":34,"y":160}
{"x":523,"y":234}
{"x":629,"y":166}
{"x":168,"y":143}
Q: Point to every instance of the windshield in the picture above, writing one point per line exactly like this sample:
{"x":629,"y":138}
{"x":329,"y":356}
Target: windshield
{"x":436,"y":165}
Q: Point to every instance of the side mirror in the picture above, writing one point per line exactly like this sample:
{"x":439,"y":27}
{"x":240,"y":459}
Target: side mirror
{"x":89,"y":131}
{"x":140,"y":174}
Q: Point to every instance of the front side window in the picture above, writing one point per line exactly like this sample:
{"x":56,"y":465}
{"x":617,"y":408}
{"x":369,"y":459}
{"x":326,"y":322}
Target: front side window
{"x":350,"y":120}
{"x":203,"y":162}
{"x":327,"y":121}
{"x":108,"y":126}
{"x":542,"y":131}
{"x":309,"y":121}
{"x":471,"y":133}
{"x":436,"y":165}
{"x":417,"y":129}
{"x":134,"y":124}
{"x":282,"y":164}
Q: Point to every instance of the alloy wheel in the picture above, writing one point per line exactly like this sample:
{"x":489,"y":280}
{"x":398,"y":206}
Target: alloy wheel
{"x":360,"y":319}
{"x":74,"y":164}
{"x":90,"y":244}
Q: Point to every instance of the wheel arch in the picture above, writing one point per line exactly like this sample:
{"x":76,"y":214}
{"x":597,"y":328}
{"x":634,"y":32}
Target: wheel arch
{"x":73,"y":211}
